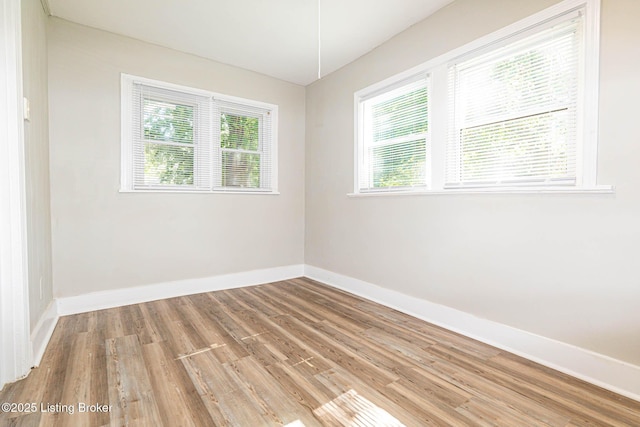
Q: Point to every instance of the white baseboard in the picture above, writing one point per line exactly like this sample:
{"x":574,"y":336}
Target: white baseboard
{"x":609,"y":373}
{"x":612,"y":374}
{"x":126,"y":296}
{"x":41,"y":334}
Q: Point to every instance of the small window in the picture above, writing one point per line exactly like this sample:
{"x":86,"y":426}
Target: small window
{"x":245,"y":151}
{"x":170,"y":139}
{"x":395,"y":138}
{"x":183,"y":139}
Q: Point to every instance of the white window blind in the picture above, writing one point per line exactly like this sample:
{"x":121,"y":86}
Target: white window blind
{"x":245,"y":157}
{"x":514,"y":116}
{"x":394,"y":138}
{"x":182,"y":139}
{"x":171,"y":139}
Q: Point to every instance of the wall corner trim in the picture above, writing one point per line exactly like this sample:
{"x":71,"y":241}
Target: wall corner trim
{"x":135,"y":295}
{"x":598,"y":369}
{"x":41,"y":334}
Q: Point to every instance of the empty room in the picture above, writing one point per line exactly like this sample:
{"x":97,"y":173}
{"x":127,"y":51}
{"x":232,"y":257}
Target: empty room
{"x":319,"y":213}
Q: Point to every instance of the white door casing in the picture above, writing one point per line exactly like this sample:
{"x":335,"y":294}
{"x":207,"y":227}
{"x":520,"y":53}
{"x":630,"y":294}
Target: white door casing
{"x":15,"y":346}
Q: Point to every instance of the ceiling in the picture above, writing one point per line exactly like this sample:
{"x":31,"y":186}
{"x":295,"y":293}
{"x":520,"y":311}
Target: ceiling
{"x":278,"y":38}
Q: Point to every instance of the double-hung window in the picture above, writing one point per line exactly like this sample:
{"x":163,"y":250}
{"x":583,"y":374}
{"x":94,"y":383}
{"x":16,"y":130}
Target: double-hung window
{"x":245,"y":154}
{"x":513,"y":111}
{"x":395,"y":137}
{"x":182,"y":139}
{"x":514,"y":114}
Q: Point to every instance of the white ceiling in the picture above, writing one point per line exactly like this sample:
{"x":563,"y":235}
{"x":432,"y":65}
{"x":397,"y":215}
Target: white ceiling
{"x":278,"y":38}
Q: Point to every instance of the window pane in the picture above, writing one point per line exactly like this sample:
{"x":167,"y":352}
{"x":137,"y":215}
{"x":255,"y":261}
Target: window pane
{"x":168,"y":164}
{"x":402,"y":115}
{"x":394,"y":137}
{"x":540,"y":77}
{"x":170,"y":131}
{"x":239,"y":132}
{"x":530,"y":148}
{"x":515,"y":115}
{"x":169,"y":122}
{"x":399,"y":165}
{"x":240,"y":169}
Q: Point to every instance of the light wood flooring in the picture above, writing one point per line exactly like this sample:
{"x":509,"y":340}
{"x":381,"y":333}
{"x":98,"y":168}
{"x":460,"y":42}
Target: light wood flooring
{"x":293,"y":353}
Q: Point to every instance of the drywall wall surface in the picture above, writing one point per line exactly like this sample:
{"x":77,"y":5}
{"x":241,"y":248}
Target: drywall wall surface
{"x":561,"y":266}
{"x":36,"y":143}
{"x":104,"y":239}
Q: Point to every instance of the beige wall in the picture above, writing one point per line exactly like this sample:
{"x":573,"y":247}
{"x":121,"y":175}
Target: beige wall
{"x":561,"y":266}
{"x":103,"y":239}
{"x":36,"y":133}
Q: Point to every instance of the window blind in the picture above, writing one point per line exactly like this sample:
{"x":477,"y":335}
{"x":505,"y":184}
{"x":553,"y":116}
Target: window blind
{"x":183,"y":139}
{"x":394,"y":137}
{"x":244,"y":147}
{"x":171,"y":139}
{"x":515,"y":112}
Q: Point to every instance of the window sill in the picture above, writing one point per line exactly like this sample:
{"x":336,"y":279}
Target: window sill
{"x":262,"y":193}
{"x":600,"y":189}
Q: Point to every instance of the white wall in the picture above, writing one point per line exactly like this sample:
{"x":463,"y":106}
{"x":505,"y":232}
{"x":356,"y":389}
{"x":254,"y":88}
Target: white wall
{"x":36,"y":143}
{"x":103,"y":239}
{"x":561,"y":266}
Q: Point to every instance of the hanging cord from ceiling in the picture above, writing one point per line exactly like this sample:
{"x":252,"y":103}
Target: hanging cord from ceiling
{"x":319,"y":39}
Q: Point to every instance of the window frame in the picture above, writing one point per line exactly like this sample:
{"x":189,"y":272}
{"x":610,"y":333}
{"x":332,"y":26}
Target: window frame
{"x":264,"y":150}
{"x":199,"y":146}
{"x":268,"y":140}
{"x":363,"y":136}
{"x":440,"y":108}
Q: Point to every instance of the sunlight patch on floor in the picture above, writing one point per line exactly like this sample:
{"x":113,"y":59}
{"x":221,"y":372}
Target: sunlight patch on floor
{"x":351,"y":409}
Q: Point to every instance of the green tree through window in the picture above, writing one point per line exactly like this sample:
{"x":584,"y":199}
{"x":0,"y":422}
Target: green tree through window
{"x":169,"y":145}
{"x":516,"y":113}
{"x":397,"y":152}
{"x":240,"y":144}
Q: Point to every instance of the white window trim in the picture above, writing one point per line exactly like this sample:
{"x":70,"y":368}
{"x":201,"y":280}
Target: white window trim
{"x":361,"y":145}
{"x":126,"y":165}
{"x":437,"y":69}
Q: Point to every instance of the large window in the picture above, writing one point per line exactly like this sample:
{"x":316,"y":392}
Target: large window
{"x":516,"y":111}
{"x":183,"y":139}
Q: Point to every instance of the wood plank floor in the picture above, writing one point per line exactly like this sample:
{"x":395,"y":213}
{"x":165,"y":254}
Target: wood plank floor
{"x":292,"y":353}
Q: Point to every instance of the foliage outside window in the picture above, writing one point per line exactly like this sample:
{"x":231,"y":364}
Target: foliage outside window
{"x":241,"y":154}
{"x":515,"y":112}
{"x":169,"y":146}
{"x":182,"y":139}
{"x":395,"y":138}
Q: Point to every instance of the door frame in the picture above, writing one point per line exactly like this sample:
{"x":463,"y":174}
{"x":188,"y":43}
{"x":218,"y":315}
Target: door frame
{"x":15,"y":345}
